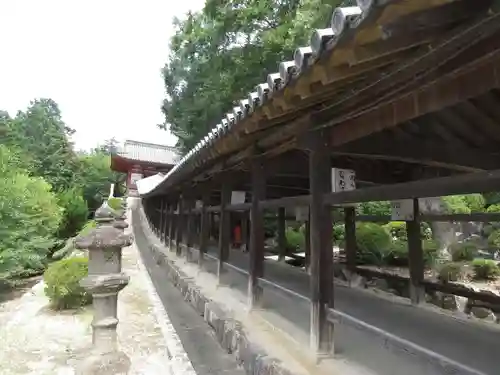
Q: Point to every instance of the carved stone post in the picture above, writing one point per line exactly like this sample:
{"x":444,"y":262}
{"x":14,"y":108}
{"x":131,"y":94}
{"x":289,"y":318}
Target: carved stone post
{"x":103,"y":282}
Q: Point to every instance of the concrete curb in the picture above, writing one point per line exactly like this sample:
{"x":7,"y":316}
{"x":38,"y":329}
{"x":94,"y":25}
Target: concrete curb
{"x":180,"y":363}
{"x":228,"y":331}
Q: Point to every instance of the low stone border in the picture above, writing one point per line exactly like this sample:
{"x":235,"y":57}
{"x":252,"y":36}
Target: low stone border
{"x":228,"y":331}
{"x":179,"y":360}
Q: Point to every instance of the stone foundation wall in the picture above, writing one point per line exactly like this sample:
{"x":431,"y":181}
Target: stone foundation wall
{"x":228,"y":330}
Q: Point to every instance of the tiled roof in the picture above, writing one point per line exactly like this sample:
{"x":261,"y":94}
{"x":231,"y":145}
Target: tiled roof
{"x":147,"y":184}
{"x":149,"y":152}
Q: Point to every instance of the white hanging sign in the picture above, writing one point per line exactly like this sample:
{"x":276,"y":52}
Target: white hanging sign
{"x":302,"y":213}
{"x":198,"y":204}
{"x":429,"y":204}
{"x":402,"y":210}
{"x":343,"y":180}
{"x":237,"y":197}
{"x":176,"y":211}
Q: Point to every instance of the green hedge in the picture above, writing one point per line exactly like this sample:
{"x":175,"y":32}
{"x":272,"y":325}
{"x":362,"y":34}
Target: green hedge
{"x":295,"y":240}
{"x":373,"y":243}
{"x":62,"y":283}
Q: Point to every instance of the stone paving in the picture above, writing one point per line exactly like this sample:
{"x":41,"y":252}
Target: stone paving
{"x":38,"y":341}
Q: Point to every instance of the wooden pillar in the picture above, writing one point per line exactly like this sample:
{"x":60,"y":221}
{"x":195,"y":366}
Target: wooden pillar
{"x":307,"y":239}
{"x":154,"y":215}
{"x":171,"y":226}
{"x":179,"y":227}
{"x":190,"y":229}
{"x":204,"y":229}
{"x":151,"y":214}
{"x":281,"y":234}
{"x":321,"y":276}
{"x":165,"y":222}
{"x":416,"y":257}
{"x":244,"y":231}
{"x":210,"y":224}
{"x":161,"y":219}
{"x":256,"y":257}
{"x":350,"y":241}
{"x":224,"y":229}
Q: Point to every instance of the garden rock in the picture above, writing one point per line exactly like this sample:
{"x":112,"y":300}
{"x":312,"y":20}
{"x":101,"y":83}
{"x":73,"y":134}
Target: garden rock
{"x":482,"y":313}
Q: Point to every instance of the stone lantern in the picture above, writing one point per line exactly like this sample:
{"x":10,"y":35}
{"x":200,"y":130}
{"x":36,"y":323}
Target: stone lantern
{"x":105,"y":279}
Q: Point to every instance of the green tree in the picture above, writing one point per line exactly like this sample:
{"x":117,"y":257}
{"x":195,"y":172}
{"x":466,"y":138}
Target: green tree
{"x":220,"y":54}
{"x":29,"y":219}
{"x":75,"y":212}
{"x":42,"y":136}
{"x":95,"y":178}
{"x":108,"y":147}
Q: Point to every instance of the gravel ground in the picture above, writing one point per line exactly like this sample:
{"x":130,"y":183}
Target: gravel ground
{"x":38,"y":341}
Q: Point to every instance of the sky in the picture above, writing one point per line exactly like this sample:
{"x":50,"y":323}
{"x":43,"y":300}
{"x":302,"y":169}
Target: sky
{"x":100,"y":60}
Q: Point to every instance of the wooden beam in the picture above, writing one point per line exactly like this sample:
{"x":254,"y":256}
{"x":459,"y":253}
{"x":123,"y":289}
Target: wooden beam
{"x":467,"y":82}
{"x":431,"y":153}
{"x":481,"y":182}
{"x":478,"y":118}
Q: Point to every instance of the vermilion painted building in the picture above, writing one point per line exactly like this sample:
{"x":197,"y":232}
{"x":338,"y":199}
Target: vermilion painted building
{"x":140,"y":159}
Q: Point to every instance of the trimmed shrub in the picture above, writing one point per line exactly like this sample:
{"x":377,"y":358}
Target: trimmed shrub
{"x":373,"y":243}
{"x":494,"y":238}
{"x":115,"y":203}
{"x":398,"y":254}
{"x":295,"y":239}
{"x":463,"y":251}
{"x":485,"y":269}
{"x":338,"y":234}
{"x":397,"y":230}
{"x":62,"y":283}
{"x":450,"y":272}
